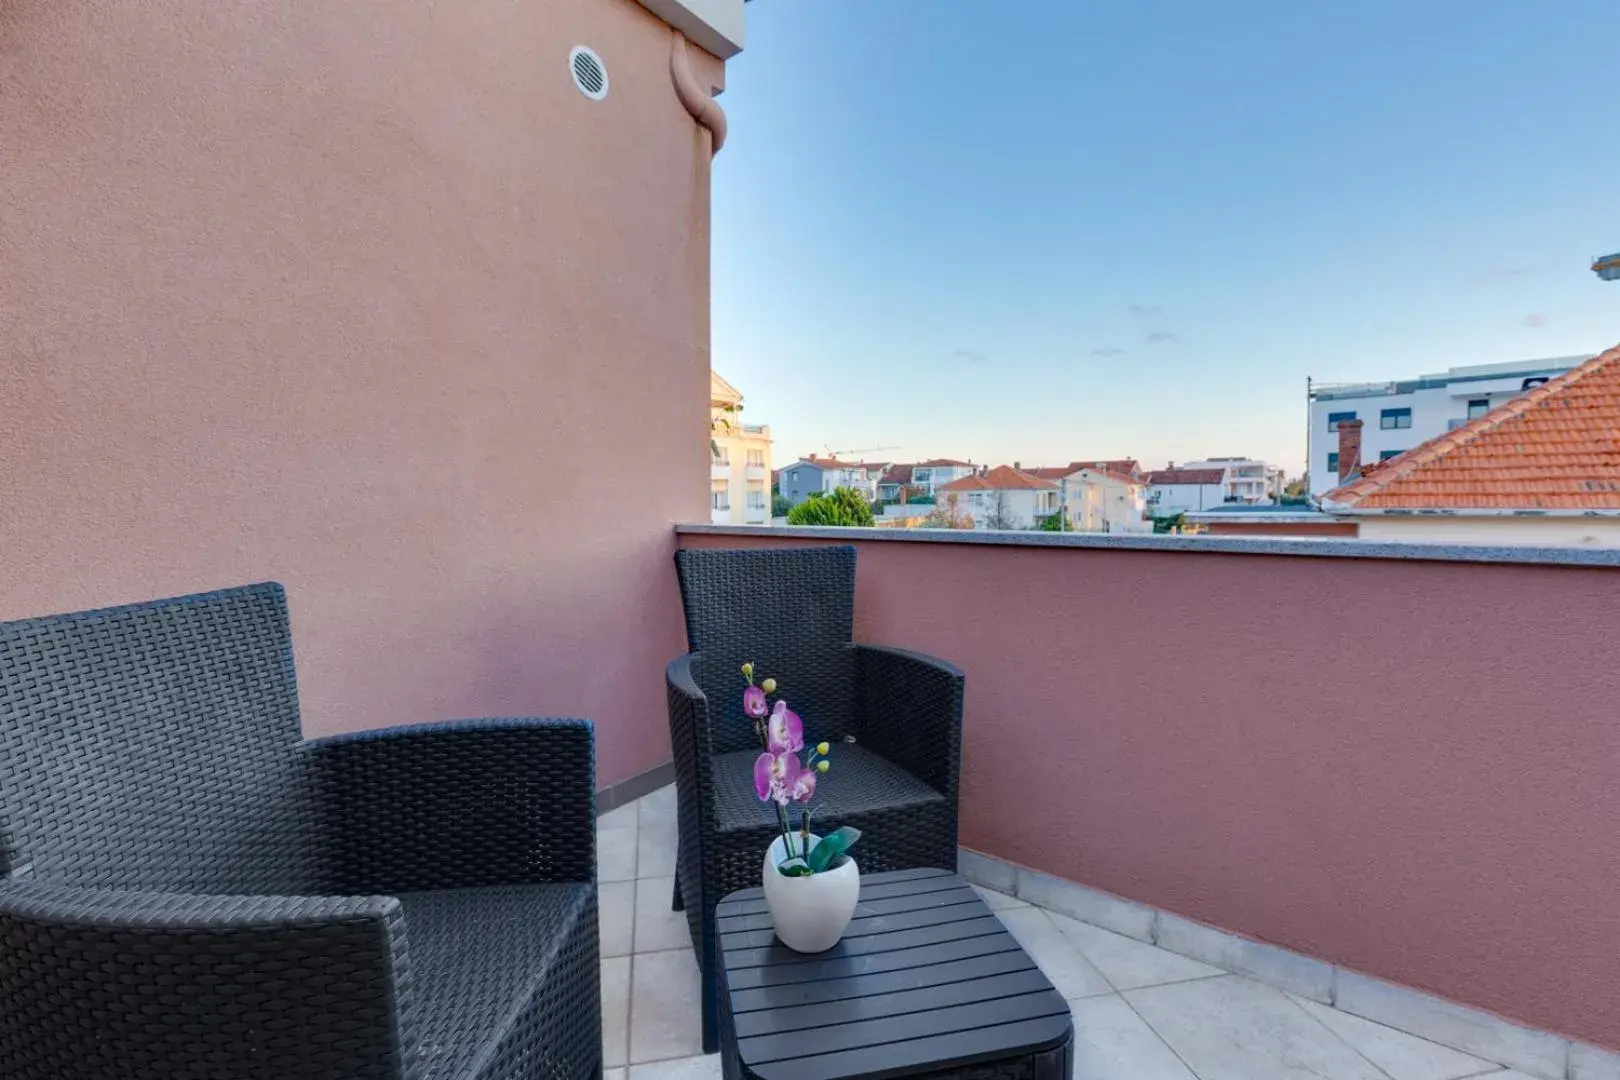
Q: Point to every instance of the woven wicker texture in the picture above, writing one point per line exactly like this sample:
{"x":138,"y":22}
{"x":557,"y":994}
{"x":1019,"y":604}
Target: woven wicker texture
{"x":190,"y":892}
{"x":791,"y":611}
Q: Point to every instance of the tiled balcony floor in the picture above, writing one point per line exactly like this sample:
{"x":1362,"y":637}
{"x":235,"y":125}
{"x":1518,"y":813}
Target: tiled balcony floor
{"x":1140,"y":1013}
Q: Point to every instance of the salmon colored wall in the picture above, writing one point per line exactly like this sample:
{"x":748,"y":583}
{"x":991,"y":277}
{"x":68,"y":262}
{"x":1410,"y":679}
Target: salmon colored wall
{"x":1403,"y":767}
{"x":1265,"y":528}
{"x":365,"y":297}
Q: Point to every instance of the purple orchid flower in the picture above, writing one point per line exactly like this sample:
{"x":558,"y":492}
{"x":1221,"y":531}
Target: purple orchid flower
{"x":754,"y":702}
{"x":778,"y":776}
{"x":784,"y":731}
{"x":803,"y":785}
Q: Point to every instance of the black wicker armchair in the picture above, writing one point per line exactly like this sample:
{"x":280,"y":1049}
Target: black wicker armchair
{"x":189,"y":892}
{"x":792,"y":612}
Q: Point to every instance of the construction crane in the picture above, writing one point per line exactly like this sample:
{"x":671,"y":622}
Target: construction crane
{"x":1607,"y":267}
{"x":858,"y":450}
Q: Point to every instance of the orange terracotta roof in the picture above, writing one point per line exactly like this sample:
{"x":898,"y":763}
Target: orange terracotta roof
{"x":1555,"y":448}
{"x":1185,"y":476}
{"x":897,"y":474}
{"x":1000,"y":478}
{"x":943,"y":461}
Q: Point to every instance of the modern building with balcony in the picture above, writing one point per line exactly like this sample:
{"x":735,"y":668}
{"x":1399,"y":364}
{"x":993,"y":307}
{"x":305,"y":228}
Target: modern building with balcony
{"x":813,"y":474}
{"x":922,"y":478}
{"x":1402,"y":413}
{"x":740,"y":460}
{"x":1243,"y":480}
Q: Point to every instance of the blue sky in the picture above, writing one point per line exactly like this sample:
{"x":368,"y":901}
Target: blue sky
{"x":1063,"y":229}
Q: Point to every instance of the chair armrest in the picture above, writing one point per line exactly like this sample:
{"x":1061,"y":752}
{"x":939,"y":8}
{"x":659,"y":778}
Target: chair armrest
{"x":144,"y":985}
{"x":460,"y":804}
{"x":908,"y":708}
{"x":689,"y":735}
{"x":693,"y":750}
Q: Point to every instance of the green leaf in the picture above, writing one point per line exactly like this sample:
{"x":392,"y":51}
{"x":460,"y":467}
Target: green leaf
{"x":832,"y":848}
{"x":794,"y":868}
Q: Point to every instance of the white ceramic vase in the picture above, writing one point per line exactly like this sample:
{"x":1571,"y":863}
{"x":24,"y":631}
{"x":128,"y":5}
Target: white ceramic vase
{"x":810,"y":913}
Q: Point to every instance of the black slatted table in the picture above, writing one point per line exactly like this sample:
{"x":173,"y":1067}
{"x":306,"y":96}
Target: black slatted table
{"x":926,"y":983}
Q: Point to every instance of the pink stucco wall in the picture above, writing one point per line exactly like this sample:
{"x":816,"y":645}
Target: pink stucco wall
{"x":1408,"y":768}
{"x":365,"y":297}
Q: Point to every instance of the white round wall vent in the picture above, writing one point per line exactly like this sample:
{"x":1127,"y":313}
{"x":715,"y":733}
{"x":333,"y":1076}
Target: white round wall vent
{"x":590,"y":74}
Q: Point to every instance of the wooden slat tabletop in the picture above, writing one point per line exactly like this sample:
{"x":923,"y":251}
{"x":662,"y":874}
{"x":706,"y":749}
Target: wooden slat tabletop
{"x":925,"y":979}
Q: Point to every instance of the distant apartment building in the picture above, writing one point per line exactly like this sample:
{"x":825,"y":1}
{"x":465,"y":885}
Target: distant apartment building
{"x":924,"y":477}
{"x":1244,"y":480}
{"x":811,"y":474}
{"x":740,"y":460}
{"x":1004,"y":497}
{"x":1180,"y":490}
{"x":1095,"y":498}
{"x":1399,"y":415}
{"x":1542,"y":470}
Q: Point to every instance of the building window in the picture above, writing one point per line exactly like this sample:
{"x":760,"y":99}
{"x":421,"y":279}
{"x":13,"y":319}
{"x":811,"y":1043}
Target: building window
{"x":722,"y":454}
{"x":1333,"y":464}
{"x":921,"y":476}
{"x":756,"y":496}
{"x":756,"y":459}
{"x":720,"y":495}
{"x":1390,"y":419}
{"x":1385,"y":455}
{"x":1478,"y":407}
{"x":1335,"y":417}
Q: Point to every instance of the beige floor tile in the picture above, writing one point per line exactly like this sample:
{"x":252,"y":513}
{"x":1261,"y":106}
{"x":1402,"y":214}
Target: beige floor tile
{"x":615,"y":1010}
{"x":616,"y":855}
{"x":657,"y":927}
{"x":665,"y":1006}
{"x":690,"y":1068}
{"x":1111,"y":1042}
{"x":1233,"y":1028}
{"x":1057,"y":956}
{"x":1127,"y":963}
{"x":616,"y":911}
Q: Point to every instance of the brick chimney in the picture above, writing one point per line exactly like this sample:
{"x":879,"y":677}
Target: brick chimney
{"x":1349,"y":450}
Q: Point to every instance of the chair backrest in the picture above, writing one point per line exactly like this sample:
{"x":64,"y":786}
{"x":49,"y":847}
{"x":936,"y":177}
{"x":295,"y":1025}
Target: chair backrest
{"x":789,"y":610}
{"x":154,"y":747}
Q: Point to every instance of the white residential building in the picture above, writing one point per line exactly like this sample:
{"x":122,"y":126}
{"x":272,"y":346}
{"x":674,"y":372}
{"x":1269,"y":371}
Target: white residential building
{"x":925,"y":477}
{"x":1003,"y":498}
{"x":1180,"y":490}
{"x":740,"y":461}
{"x":812,"y":474}
{"x":1397,"y":416}
{"x":1098,"y":499}
{"x":1245,"y":480}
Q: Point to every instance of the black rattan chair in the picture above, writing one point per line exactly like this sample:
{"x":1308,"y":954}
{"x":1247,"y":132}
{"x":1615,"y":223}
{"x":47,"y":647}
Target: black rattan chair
{"x":791,"y":611}
{"x":189,"y":892}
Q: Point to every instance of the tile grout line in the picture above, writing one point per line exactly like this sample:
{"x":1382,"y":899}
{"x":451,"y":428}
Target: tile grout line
{"x":1157,"y":1034}
{"x":1303,"y":1011}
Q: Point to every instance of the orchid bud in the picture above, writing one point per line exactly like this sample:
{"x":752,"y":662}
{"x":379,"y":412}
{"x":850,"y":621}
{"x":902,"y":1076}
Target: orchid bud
{"x":823,"y":765}
{"x":769,"y":686}
{"x":822,"y":748}
{"x":748,"y":669}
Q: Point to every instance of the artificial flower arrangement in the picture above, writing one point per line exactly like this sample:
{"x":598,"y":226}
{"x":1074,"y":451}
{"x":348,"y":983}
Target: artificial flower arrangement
{"x":781,"y":777}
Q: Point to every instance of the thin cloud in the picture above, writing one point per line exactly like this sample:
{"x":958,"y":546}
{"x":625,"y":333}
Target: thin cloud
{"x":1535,"y":320}
{"x":1109,"y":351}
{"x":970,"y":356}
{"x":1160,"y":337}
{"x":1502,"y":275}
{"x":1145,"y":309}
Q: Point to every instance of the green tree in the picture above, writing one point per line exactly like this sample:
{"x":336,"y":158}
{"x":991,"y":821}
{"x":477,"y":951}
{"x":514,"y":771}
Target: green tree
{"x":1054,"y":523}
{"x":781,"y":505}
{"x":844,"y":506}
{"x":1173,"y":524}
